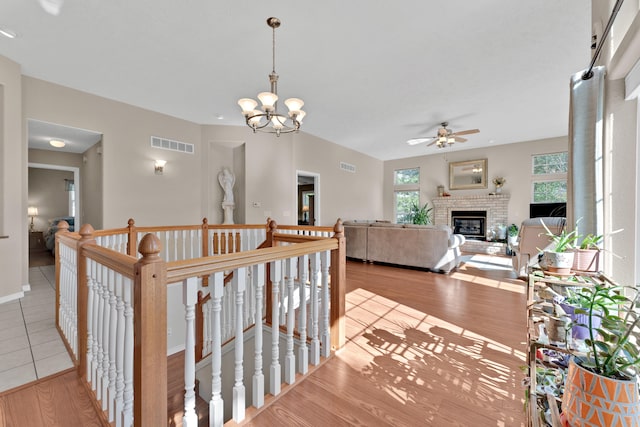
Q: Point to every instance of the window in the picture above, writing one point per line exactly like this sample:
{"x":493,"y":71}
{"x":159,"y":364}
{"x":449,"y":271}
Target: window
{"x":549,"y":177}
{"x":406,"y":189}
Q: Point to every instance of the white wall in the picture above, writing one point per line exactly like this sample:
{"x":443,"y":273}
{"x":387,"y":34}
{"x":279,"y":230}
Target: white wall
{"x":341,"y":194}
{"x":91,"y":187}
{"x":511,"y":161}
{"x":13,"y":185}
{"x":130,"y":187}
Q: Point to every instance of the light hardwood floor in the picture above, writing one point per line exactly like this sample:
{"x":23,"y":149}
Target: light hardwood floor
{"x":423,"y":349}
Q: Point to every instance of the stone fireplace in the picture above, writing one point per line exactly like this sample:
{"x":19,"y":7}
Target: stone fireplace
{"x":494,"y":208}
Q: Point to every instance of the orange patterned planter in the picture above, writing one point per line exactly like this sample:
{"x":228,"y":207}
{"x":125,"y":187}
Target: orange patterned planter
{"x":592,"y":400}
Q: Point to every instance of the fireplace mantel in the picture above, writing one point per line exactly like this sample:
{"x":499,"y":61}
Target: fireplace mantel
{"x":496,"y":206}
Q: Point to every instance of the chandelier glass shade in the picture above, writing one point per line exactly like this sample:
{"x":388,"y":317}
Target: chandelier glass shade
{"x":267,"y":118}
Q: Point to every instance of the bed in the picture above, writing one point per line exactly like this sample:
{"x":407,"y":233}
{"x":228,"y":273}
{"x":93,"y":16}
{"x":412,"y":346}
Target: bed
{"x":50,"y":234}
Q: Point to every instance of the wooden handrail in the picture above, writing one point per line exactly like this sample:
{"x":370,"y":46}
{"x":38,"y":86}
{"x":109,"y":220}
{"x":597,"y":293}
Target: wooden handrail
{"x":296,"y":238}
{"x":151,"y":275}
{"x":116,"y":261}
{"x":180,"y":270}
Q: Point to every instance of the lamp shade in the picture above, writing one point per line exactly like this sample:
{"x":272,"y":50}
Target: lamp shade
{"x":268,"y":100}
{"x":247,"y":105}
{"x":276,"y":121}
{"x":32,"y":211}
{"x":294,"y":104}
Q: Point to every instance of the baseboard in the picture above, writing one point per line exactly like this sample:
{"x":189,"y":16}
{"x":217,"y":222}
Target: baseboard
{"x":26,"y":288}
{"x":11,"y":297}
{"x":175,"y":349}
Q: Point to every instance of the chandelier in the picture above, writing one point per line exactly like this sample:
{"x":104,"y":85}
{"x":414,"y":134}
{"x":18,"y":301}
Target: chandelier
{"x":269,"y":119}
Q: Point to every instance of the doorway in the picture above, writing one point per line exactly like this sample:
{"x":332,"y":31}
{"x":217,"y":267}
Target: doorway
{"x":308,"y":198}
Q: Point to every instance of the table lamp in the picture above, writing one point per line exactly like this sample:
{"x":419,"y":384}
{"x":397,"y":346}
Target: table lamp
{"x":32,"y":211}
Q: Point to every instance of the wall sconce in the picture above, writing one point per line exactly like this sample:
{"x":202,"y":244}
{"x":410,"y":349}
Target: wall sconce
{"x":32,"y":211}
{"x":159,"y":166}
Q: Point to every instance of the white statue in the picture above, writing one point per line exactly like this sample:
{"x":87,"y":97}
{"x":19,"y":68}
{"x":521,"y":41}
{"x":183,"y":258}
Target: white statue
{"x":226,"y":179}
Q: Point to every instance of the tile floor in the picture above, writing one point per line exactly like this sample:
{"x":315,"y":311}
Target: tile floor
{"x":30,"y":345}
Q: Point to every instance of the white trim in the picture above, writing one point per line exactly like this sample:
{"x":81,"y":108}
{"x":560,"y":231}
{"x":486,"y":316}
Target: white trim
{"x":26,"y":287}
{"x":175,"y":349}
{"x":76,"y":182}
{"x":11,"y":297}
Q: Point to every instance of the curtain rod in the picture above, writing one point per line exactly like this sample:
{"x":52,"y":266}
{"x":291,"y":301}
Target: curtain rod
{"x":589,"y":73}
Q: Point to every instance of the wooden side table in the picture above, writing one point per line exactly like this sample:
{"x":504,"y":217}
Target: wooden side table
{"x":36,"y":242}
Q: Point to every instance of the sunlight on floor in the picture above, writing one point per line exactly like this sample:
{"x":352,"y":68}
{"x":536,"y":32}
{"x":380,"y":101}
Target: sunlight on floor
{"x":410,"y":353}
{"x":487,"y":263}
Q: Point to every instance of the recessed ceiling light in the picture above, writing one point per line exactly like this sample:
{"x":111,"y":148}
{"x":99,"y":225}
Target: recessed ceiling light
{"x":7,"y":33}
{"x":57,"y":143}
{"x":220,"y":117}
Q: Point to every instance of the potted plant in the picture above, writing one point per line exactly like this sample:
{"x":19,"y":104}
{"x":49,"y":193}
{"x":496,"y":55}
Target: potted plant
{"x":602,"y":387}
{"x":587,"y":255}
{"x":512,"y":233}
{"x":558,"y":256}
{"x":420,"y":215}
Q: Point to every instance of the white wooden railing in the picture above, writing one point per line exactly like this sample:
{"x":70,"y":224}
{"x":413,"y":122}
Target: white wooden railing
{"x":102,"y":290}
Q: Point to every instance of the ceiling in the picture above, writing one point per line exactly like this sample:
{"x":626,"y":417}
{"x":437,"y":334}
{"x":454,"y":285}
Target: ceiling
{"x":372,"y":75}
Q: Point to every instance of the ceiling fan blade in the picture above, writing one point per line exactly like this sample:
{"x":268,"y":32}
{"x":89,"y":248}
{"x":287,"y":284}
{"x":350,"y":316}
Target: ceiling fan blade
{"x":458,"y":139}
{"x":433,"y":142}
{"x":416,"y":141}
{"x":466,"y":132}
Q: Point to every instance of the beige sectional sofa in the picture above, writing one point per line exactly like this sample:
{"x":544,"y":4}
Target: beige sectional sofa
{"x":432,"y":247}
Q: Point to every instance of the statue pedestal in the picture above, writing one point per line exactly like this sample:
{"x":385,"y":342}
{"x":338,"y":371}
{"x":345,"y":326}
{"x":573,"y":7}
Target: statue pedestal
{"x":228,"y":212}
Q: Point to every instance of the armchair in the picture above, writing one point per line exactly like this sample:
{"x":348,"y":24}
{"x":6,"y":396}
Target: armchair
{"x":531,"y":239}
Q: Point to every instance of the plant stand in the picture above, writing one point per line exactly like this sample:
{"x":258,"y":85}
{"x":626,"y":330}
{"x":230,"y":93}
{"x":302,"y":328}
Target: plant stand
{"x":546,"y":360}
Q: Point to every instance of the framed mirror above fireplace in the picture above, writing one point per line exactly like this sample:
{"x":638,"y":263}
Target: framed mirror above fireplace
{"x":468,"y":175}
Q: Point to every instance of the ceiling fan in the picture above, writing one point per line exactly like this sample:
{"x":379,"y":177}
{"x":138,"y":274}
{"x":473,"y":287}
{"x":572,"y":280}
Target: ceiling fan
{"x":444,"y":137}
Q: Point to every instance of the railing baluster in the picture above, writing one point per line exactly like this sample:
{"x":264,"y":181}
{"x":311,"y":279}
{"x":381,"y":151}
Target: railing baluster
{"x":106,"y":315}
{"x":189,"y":299}
{"x":120,"y":348}
{"x":315,"y":280}
{"x":325,"y":335}
{"x":113,"y":329}
{"x":127,"y":413}
{"x":239,"y":286}
{"x":99,"y":335}
{"x":303,"y":350}
{"x":91,"y":270}
{"x":258,"y":376}
{"x":97,"y":274}
{"x":216,"y":405}
{"x":290,"y":358}
{"x":274,"y":369}
{"x":206,"y":328}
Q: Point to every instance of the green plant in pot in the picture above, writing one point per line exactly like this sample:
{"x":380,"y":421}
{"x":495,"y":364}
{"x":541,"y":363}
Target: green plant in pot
{"x":557,"y":257}
{"x":587,"y":255}
{"x":420,"y":215}
{"x":512,"y":234}
{"x":602,"y":387}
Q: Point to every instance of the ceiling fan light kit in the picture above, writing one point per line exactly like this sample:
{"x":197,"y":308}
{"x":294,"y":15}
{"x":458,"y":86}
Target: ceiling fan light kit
{"x":444,"y":138}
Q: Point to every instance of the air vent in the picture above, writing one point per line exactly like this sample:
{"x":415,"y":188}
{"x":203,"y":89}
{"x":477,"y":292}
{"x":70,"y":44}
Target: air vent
{"x":167,"y":144}
{"x":348,"y":167}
